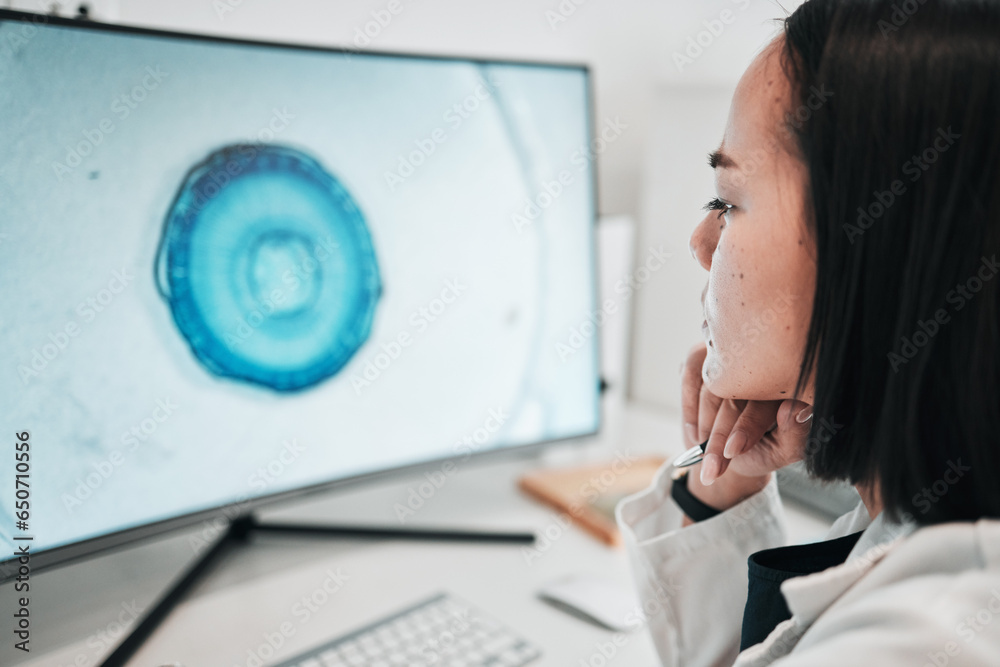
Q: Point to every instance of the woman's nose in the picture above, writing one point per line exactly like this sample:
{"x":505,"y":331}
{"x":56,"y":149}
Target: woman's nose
{"x":704,"y":239}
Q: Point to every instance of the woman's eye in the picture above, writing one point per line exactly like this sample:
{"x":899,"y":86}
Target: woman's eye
{"x":717,"y":204}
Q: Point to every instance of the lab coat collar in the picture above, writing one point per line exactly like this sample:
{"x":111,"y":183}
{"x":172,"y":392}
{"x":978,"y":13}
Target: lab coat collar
{"x":809,"y":595}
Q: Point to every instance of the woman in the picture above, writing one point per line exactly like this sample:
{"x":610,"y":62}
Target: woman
{"x":858,"y":214}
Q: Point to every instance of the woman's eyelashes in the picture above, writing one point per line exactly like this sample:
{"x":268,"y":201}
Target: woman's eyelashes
{"x":717,"y":204}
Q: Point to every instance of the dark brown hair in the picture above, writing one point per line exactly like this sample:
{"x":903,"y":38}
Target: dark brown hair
{"x":904,"y":162}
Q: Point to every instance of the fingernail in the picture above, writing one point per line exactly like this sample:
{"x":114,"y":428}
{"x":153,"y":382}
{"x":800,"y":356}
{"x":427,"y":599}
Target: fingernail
{"x":691,"y":431}
{"x":735,"y":444}
{"x":805,"y":414}
{"x":710,"y":469}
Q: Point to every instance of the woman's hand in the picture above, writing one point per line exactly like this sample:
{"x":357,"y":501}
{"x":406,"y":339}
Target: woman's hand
{"x":750,"y":439}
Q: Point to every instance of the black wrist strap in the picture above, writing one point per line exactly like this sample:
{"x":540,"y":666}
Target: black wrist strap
{"x":691,"y":506}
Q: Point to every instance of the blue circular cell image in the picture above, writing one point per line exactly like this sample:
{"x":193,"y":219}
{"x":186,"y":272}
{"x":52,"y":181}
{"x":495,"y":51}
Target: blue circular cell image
{"x":268,"y":267}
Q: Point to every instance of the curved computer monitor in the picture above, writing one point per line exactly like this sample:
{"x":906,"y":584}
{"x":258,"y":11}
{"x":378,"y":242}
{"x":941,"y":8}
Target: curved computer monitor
{"x":235,"y":271}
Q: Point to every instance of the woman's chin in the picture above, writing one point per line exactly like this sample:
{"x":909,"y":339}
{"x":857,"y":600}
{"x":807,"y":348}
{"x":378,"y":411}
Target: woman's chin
{"x":716,"y":375}
{"x":728,"y":380}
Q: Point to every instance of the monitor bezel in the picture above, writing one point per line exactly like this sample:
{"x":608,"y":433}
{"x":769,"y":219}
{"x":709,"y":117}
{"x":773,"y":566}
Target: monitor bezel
{"x":91,"y":547}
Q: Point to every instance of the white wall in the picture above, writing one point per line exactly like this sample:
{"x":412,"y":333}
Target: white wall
{"x":673,"y":108}
{"x":688,"y":124}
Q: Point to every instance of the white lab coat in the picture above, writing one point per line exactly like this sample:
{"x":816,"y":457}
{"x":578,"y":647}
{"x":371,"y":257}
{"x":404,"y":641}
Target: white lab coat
{"x":925,"y":597}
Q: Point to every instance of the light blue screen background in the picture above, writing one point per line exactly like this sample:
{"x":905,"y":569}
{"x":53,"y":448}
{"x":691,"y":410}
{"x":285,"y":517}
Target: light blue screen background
{"x":65,"y":232}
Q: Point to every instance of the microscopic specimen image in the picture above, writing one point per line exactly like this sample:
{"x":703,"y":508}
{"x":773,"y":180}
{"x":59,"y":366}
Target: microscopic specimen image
{"x":268,"y":267}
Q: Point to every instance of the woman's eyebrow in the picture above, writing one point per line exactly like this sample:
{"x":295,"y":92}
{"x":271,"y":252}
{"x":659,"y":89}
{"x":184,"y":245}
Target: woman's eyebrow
{"x":718,"y":159}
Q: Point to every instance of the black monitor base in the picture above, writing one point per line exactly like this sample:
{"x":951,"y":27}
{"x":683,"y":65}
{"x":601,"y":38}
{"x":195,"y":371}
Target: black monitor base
{"x":237,"y":533}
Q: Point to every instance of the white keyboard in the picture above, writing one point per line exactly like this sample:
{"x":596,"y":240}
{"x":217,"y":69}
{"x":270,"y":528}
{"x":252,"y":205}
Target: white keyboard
{"x":441,"y":631}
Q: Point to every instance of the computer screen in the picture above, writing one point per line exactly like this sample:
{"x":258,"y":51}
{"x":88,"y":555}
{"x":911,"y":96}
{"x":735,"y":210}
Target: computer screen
{"x":231,"y":269}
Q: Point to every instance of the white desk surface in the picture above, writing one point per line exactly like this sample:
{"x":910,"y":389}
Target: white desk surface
{"x":252,"y":594}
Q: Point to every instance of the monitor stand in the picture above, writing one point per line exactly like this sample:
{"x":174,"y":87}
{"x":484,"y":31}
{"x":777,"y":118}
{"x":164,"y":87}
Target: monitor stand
{"x":237,"y":533}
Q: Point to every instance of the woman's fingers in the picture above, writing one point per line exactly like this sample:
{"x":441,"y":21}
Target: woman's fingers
{"x":785,"y":442}
{"x":794,"y":420}
{"x":756,"y":419}
{"x":714,"y":464}
{"x":691,"y":385}
{"x":732,"y":427}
